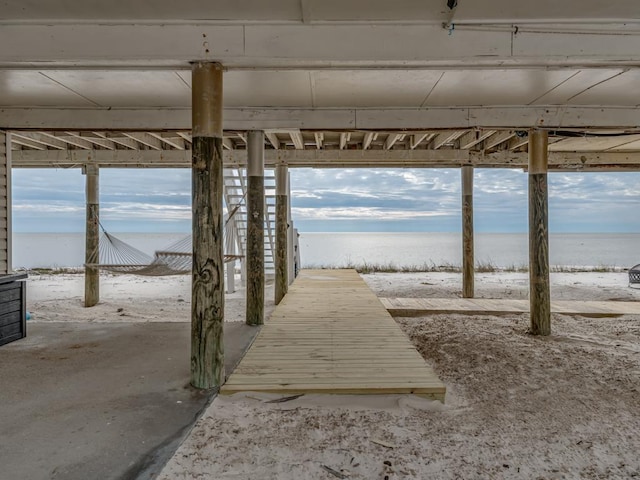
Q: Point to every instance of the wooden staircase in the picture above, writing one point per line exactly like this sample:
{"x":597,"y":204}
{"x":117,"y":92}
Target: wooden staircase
{"x":235,"y":190}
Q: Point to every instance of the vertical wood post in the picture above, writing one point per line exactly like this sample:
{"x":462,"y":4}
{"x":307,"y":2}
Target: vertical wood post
{"x":292,"y":240}
{"x":5,"y":212}
{"x":467,"y":232}
{"x":255,"y":228}
{"x":539,"y":292}
{"x":92,"y":237}
{"x":207,"y":289}
{"x":231,"y":276}
{"x":282,"y":225}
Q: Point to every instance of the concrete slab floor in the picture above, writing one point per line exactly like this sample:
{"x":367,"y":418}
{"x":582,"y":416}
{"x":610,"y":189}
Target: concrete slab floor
{"x":96,"y":400}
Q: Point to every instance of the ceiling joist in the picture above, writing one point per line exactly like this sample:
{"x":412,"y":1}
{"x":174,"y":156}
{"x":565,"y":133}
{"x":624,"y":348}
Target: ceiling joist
{"x":47,"y":148}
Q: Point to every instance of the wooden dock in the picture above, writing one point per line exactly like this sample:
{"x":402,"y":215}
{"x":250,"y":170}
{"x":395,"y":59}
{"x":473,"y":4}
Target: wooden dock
{"x":412,"y":307}
{"x":331,"y":334}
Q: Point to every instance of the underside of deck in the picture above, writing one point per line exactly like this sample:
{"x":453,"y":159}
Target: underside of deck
{"x":331,"y":334}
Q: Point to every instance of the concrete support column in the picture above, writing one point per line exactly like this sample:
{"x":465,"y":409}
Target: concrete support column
{"x":255,"y":228}
{"x":207,"y":289}
{"x":467,"y":232}
{"x":282,"y":225}
{"x":539,"y":291}
{"x":92,"y":237}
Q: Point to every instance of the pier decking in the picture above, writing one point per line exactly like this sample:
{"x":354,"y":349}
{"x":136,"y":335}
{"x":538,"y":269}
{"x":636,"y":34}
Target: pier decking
{"x":411,"y":307}
{"x":331,"y":334}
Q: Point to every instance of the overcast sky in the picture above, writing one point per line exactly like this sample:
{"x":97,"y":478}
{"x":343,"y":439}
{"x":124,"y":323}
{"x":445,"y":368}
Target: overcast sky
{"x":351,"y":200}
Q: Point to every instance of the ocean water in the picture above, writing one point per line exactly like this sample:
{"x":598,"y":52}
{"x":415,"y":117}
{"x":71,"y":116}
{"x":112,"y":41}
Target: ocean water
{"x":32,"y":250}
{"x":499,"y":249}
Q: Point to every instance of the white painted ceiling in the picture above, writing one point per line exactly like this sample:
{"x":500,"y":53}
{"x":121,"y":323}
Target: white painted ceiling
{"x":324,"y":89}
{"x":320,"y":10}
{"x":323,"y":54}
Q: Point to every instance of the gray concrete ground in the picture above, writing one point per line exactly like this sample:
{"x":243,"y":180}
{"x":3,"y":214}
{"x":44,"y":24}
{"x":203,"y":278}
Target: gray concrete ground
{"x":103,"y":401}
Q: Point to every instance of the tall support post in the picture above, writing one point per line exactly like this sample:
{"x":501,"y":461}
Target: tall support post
{"x":539,"y":292}
{"x":282,"y":225}
{"x":5,"y":208}
{"x":255,"y":228}
{"x":467,"y":232}
{"x":231,"y":276}
{"x":92,"y":237}
{"x":207,"y":289}
{"x":292,"y":241}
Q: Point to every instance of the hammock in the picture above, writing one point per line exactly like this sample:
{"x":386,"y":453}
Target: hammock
{"x":634,"y":275}
{"x":117,"y":256}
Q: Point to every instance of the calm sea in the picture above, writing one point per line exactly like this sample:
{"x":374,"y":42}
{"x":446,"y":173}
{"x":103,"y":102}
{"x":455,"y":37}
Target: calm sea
{"x":31,"y":250}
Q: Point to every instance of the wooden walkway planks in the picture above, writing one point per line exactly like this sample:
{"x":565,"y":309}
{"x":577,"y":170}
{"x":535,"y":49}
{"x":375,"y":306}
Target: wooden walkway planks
{"x":331,"y":334}
{"x":411,"y":307}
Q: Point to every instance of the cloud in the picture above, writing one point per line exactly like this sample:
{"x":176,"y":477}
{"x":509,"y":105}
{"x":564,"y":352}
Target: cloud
{"x":340,"y":200}
{"x":361,"y":213}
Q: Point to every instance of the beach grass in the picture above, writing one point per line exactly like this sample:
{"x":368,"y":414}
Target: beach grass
{"x":52,"y":270}
{"x":481,"y":267}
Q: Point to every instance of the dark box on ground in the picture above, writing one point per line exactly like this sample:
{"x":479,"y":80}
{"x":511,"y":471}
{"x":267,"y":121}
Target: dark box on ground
{"x":13,"y":307}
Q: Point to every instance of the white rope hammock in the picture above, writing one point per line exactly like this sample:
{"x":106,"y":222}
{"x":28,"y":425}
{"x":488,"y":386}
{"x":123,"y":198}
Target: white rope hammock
{"x":117,"y":256}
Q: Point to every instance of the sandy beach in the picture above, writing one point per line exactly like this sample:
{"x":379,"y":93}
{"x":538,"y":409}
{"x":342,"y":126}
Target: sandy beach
{"x":517,"y":406}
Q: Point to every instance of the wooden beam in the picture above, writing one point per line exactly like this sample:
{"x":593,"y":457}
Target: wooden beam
{"x":92,"y":237}
{"x":512,"y":117}
{"x":368,"y":138}
{"x":280,"y":257}
{"x":518,"y":142}
{"x":297,"y":139}
{"x":443,"y":158}
{"x":145,"y":139}
{"x":255,"y":229}
{"x":242,"y":137}
{"x":539,"y":292}
{"x":207,"y":289}
{"x":344,"y":138}
{"x":273,"y":139}
{"x":43,"y":138}
{"x":445,"y":138}
{"x":23,"y":140}
{"x":344,"y":44}
{"x":473,"y":138}
{"x":125,"y":142}
{"x":186,"y":136}
{"x":175,"y":143}
{"x":391,"y":140}
{"x":228,"y":143}
{"x":498,"y":138}
{"x":466,"y":173}
{"x":76,"y":140}
{"x":417,"y":140}
{"x":319,"y":138}
{"x":101,"y":140}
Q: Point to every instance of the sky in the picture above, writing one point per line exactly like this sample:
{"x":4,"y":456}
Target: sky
{"x":331,"y":200}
